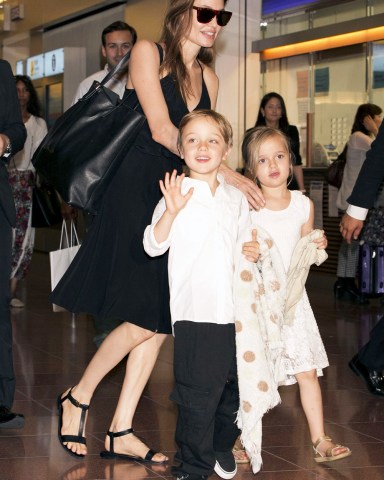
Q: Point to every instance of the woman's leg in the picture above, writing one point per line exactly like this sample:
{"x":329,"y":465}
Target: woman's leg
{"x":115,"y":347}
{"x":140,"y":364}
{"x":312,"y":403}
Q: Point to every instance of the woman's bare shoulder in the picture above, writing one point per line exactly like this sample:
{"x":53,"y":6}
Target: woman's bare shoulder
{"x":145,"y":48}
{"x":210,"y":78}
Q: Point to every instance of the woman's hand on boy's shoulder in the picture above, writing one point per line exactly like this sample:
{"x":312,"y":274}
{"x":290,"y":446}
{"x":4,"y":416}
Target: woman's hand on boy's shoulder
{"x":248,"y":187}
{"x":251,"y":250}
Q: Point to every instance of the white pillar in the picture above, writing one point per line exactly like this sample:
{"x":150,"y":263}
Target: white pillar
{"x":239,"y":71}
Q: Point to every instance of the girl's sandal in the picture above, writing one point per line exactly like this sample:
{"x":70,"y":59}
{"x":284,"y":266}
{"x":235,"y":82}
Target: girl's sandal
{"x":240,"y":455}
{"x":329,"y":455}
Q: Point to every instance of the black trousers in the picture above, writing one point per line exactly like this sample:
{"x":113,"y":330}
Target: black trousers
{"x":206,"y":393}
{"x":7,"y":376}
{"x":371,"y":355}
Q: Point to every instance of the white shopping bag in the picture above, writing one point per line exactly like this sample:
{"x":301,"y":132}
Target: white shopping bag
{"x":62,"y":258}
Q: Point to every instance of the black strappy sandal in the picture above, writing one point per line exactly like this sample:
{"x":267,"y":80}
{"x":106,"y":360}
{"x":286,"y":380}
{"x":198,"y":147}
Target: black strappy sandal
{"x":112,"y":454}
{"x":71,"y":438}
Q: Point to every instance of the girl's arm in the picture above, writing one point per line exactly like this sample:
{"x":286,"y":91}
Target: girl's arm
{"x":308,"y":225}
{"x":143,"y":76}
{"x":307,"y":228}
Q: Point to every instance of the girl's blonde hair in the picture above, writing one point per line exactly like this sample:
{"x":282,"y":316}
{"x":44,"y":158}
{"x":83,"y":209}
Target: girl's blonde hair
{"x":222,"y":123}
{"x":252,"y":141}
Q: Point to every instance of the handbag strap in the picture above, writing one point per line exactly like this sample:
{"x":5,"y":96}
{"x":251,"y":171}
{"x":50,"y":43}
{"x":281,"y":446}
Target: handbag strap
{"x":122,"y":63}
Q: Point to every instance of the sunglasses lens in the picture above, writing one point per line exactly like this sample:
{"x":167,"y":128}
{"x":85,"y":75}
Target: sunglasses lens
{"x":223,"y":18}
{"x":205,"y":15}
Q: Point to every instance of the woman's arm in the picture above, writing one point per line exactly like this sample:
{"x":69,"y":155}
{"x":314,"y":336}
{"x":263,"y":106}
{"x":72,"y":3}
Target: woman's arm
{"x":361,"y":141}
{"x":144,"y":78}
{"x":250,"y":189}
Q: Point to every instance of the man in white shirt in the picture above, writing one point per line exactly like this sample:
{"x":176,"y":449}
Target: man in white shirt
{"x":368,"y":363}
{"x":117,"y":39}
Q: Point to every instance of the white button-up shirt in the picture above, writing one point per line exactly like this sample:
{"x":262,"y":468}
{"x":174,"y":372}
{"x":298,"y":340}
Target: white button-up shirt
{"x":202,"y":244}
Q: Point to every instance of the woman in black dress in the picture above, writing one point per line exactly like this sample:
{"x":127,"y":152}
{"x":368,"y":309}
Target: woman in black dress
{"x":273,"y":113}
{"x":111,"y":275}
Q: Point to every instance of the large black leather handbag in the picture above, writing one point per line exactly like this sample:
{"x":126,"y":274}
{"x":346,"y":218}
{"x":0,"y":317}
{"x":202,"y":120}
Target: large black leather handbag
{"x":85,"y":146}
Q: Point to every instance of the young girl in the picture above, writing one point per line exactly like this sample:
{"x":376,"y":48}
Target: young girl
{"x":199,"y":220}
{"x":288,"y":216}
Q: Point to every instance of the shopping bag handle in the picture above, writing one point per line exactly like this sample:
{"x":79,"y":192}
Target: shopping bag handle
{"x":64,"y":231}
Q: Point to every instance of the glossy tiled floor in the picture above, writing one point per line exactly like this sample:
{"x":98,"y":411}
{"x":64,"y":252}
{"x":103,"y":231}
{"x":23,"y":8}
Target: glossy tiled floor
{"x":51,"y":350}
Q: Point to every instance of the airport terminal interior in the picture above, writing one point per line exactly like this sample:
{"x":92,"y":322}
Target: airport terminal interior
{"x":52,"y":349}
{"x":322,"y":88}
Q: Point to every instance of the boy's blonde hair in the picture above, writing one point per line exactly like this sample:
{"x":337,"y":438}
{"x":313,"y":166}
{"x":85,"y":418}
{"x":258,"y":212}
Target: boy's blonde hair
{"x":222,"y":123}
{"x":252,"y":142}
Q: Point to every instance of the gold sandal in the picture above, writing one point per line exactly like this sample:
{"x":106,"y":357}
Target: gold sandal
{"x":240,"y":455}
{"x":329,"y":455}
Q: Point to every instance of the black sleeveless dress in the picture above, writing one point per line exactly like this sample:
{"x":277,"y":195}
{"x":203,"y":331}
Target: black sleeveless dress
{"x":111,"y":275}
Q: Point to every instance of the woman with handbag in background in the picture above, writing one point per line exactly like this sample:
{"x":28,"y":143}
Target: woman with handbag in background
{"x":364,"y":130}
{"x":22,"y":180}
{"x":111,"y":274}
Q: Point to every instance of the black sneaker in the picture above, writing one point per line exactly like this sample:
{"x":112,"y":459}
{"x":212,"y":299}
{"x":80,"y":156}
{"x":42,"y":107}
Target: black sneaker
{"x":225,"y":465}
{"x":9,"y":419}
{"x":191,"y":476}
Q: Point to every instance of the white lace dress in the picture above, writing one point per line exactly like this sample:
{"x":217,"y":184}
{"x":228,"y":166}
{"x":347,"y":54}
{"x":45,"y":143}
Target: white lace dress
{"x":303,"y":346}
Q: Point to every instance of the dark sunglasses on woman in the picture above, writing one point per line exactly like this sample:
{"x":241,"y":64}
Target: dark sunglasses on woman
{"x":205,"y":15}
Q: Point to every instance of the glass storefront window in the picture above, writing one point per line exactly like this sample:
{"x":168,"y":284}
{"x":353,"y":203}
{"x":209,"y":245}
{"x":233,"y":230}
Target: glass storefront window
{"x":322,"y":92}
{"x":340,"y":86}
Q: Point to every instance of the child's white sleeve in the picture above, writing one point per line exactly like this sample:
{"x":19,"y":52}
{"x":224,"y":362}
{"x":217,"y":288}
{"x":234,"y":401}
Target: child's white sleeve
{"x":244,"y":219}
{"x":151,"y":246}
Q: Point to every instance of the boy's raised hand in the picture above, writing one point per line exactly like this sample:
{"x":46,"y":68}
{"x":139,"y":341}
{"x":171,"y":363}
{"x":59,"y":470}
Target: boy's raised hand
{"x":171,"y":189}
{"x":251,"y":250}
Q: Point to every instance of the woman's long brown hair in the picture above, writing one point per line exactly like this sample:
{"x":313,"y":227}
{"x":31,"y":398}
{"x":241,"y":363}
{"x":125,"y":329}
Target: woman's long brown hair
{"x":177,"y":22}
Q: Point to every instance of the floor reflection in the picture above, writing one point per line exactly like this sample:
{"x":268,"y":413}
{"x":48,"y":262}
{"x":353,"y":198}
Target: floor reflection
{"x":52,"y":349}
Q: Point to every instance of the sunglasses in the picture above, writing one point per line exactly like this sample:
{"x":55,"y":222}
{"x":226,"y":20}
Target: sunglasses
{"x":205,"y":15}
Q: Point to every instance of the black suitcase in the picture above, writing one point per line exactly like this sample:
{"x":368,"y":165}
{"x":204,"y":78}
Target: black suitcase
{"x":371,"y":270}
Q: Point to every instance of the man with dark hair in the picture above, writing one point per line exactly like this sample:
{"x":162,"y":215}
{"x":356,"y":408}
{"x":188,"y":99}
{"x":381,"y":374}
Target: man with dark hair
{"x":117,"y":39}
{"x":368,"y":363}
{"x":12,"y":138}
